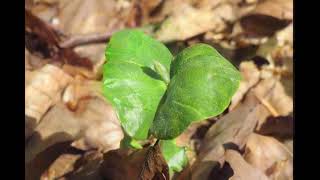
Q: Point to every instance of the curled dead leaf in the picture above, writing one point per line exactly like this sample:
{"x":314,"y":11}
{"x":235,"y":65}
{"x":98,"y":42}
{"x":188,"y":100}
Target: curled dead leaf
{"x":197,"y":21}
{"x":100,"y":16}
{"x":250,"y":76}
{"x":94,"y":121}
{"x":268,"y":17}
{"x":281,"y":9}
{"x":234,"y":128}
{"x":86,"y":167}
{"x":280,"y":127}
{"x":268,"y":154}
{"x":62,"y":165}
{"x":80,"y":89}
{"x":43,"y":90}
{"x":277,"y":102}
{"x":243,"y":170}
{"x":231,"y":130}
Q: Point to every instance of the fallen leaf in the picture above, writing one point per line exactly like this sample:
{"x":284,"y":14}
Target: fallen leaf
{"x":43,"y":90}
{"x":43,"y":40}
{"x":145,"y":164}
{"x":231,"y":130}
{"x":250,"y":76}
{"x":243,"y":170}
{"x":280,"y":127}
{"x":263,"y":152}
{"x":61,"y":166}
{"x":282,"y":170}
{"x":278,"y":50}
{"x":94,"y":121}
{"x":79,"y":89}
{"x":281,"y":9}
{"x":197,"y":21}
{"x":87,"y":167}
{"x":90,"y":16}
{"x":234,"y":128}
{"x":278,"y":103}
{"x":35,"y":168}
{"x":289,"y":145}
{"x":58,"y":125}
{"x":285,"y":36}
{"x":268,"y":17}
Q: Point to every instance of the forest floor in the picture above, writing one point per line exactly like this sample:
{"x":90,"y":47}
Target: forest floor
{"x":70,"y":126}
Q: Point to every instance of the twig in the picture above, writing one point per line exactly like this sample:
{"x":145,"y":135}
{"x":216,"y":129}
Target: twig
{"x":85,"y":39}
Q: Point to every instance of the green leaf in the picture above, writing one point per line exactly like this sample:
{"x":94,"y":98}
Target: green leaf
{"x":128,"y":142}
{"x":201,"y":86}
{"x":132,"y":45}
{"x":175,"y":156}
{"x":149,"y":100}
{"x":131,"y":83}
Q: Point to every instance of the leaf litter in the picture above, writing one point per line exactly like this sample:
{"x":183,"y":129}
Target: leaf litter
{"x":73,"y":133}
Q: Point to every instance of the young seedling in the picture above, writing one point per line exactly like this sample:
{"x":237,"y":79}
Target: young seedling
{"x":159,"y":95}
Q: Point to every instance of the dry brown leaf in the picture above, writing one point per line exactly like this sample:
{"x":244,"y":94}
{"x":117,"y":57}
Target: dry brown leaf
{"x":278,"y":50}
{"x":281,"y":9}
{"x":62,"y":165}
{"x":268,"y":17}
{"x":213,"y":3}
{"x":232,"y":129}
{"x":145,"y":164}
{"x":250,"y":76}
{"x":197,"y":21}
{"x":243,"y":170}
{"x":280,"y":127}
{"x":278,"y":103}
{"x":87,"y":167}
{"x":42,"y":40}
{"x":101,"y":124}
{"x":143,"y":11}
{"x":263,"y":152}
{"x":58,"y":125}
{"x":285,"y":36}
{"x":94,"y":121}
{"x":289,"y":145}
{"x":42,"y":92}
{"x":282,"y":170}
{"x":188,"y":139}
{"x":88,"y":16}
{"x":35,"y":168}
{"x":79,"y":89}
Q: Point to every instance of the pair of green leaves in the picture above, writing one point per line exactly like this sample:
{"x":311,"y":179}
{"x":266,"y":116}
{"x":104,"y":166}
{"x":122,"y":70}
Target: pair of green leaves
{"x":156,"y":94}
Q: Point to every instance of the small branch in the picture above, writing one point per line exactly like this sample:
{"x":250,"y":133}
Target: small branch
{"x":85,"y":39}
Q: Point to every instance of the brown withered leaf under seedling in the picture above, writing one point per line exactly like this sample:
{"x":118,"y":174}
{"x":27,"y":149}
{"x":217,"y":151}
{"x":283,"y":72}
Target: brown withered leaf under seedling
{"x":64,"y":164}
{"x":144,"y":164}
{"x":86,"y":167}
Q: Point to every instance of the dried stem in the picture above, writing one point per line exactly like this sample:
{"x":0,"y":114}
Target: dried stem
{"x":85,"y":39}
